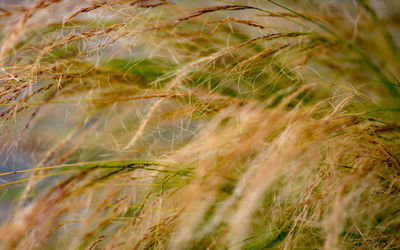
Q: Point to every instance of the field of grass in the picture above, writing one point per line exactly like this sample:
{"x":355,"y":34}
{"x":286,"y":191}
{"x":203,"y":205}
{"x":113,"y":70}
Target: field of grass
{"x":182,"y":124}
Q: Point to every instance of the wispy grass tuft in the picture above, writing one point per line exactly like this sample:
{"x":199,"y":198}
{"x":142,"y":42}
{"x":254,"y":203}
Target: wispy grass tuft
{"x":199,"y":124}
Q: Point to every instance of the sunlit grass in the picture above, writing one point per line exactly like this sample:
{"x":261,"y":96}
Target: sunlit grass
{"x":188,"y":125}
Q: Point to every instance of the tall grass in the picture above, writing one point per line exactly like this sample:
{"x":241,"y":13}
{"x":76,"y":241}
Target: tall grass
{"x":200,"y":124}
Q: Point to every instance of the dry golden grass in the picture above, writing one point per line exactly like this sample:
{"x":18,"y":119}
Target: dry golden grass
{"x":200,"y":124}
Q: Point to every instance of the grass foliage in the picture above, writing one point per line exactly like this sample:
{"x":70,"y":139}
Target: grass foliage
{"x":200,"y":124}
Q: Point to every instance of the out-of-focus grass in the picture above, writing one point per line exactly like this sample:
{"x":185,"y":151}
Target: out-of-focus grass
{"x":220,"y":124}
